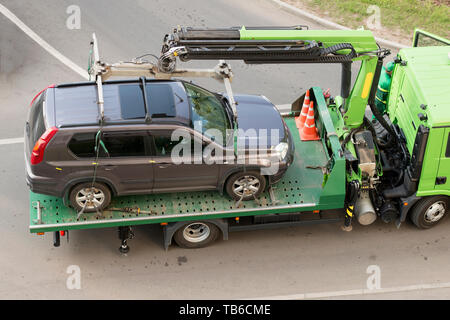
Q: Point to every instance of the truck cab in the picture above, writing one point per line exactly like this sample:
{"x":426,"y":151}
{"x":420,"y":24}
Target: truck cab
{"x":419,"y":107}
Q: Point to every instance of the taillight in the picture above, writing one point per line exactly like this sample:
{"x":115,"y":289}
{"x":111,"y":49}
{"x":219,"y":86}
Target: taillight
{"x":38,"y":151}
{"x":35,"y":97}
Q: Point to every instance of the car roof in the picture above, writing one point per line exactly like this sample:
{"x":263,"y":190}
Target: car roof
{"x":75,"y":104}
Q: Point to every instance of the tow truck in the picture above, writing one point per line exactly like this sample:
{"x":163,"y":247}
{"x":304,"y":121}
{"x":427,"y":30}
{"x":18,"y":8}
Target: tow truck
{"x":389,"y":167}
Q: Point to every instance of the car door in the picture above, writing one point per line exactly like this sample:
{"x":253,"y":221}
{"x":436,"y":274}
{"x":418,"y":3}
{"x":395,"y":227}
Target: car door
{"x":171,"y":175}
{"x":127,"y":161}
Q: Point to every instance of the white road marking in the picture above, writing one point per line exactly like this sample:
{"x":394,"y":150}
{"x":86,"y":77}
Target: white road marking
{"x":331,"y":294}
{"x":43,"y":43}
{"x":11,"y":141}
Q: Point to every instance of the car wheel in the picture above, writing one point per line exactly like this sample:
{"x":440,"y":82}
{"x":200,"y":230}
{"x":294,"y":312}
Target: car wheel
{"x":91,"y":198}
{"x":245,"y":185}
{"x":197,"y":234}
{"x":428,"y":212}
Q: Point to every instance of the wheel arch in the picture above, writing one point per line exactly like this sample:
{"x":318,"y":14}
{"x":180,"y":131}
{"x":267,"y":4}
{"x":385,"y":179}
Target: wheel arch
{"x":170,"y":229}
{"x":74,"y":182}
{"x":229,"y":173}
{"x":406,"y":206}
{"x":420,"y":201}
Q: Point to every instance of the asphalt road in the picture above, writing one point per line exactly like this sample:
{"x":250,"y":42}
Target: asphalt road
{"x":283,"y":262}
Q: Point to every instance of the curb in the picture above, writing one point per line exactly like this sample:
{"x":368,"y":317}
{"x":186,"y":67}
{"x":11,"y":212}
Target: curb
{"x":289,"y":8}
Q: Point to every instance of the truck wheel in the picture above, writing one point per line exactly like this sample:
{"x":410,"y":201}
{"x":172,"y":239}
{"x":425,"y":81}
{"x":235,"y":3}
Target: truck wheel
{"x":90,"y":198}
{"x":196,"y":234}
{"x":245,"y":185}
{"x":428,"y":212}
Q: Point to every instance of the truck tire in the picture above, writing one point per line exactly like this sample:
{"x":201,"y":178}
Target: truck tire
{"x":97,"y":197}
{"x":246,"y":185}
{"x":429,"y":211}
{"x":197,"y":234}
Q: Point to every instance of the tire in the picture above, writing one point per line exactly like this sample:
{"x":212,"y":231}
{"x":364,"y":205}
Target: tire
{"x":428,"y":212}
{"x":197,"y":234}
{"x":79,"y":193}
{"x":236,"y":185}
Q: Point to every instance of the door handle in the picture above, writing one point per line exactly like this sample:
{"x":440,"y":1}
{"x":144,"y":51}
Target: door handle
{"x":165,"y":165}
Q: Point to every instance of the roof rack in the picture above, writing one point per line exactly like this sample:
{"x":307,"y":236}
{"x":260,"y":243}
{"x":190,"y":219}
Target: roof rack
{"x":101,"y":71}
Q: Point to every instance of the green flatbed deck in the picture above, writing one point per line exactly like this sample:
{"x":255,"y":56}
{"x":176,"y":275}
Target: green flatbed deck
{"x":299,"y":190}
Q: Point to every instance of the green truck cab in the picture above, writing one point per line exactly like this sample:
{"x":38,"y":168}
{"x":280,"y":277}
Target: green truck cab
{"x":418,"y":105}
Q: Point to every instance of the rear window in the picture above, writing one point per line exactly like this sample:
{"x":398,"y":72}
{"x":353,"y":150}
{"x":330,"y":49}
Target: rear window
{"x":36,"y":124}
{"x":117,"y":145}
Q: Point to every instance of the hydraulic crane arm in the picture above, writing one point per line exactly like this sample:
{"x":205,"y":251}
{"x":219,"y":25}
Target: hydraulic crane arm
{"x":263,"y":45}
{"x":285,"y":45}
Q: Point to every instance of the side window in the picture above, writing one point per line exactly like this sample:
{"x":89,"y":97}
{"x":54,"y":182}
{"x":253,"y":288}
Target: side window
{"x":124,"y":144}
{"x":117,"y":145}
{"x":83,"y":145}
{"x":164,"y":145}
{"x":447,"y":150}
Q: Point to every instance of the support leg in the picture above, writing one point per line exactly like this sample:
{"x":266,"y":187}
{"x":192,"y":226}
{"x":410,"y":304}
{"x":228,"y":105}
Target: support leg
{"x":125,"y":234}
{"x":56,"y":239}
{"x":348,"y":219}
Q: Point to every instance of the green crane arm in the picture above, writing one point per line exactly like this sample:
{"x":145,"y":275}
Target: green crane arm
{"x":284,"y":45}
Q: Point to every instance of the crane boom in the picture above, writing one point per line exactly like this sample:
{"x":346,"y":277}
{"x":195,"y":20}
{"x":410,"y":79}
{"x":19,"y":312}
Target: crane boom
{"x":295,"y":44}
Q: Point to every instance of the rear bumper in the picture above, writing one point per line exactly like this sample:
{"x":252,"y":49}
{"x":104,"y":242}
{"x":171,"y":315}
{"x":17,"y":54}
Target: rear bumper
{"x":42,"y":185}
{"x":39,"y":184}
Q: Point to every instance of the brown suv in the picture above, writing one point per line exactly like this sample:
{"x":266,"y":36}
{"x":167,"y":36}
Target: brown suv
{"x":157,"y":136}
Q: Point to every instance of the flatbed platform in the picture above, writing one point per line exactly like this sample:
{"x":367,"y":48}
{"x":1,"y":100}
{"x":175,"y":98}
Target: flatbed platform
{"x":300,"y":190}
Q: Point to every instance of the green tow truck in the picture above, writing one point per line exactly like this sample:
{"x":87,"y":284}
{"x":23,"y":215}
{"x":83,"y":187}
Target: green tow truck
{"x":366,"y":165}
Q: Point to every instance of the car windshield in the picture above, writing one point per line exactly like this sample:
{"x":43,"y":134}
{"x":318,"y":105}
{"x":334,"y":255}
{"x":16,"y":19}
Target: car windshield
{"x":208,"y":112}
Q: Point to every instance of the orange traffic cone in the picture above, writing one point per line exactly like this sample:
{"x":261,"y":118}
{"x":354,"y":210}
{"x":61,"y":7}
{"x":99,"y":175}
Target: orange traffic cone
{"x":300,"y":120}
{"x":309,"y":131}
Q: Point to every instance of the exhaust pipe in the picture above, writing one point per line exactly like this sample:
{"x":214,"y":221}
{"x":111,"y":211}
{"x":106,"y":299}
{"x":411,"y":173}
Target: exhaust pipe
{"x":364,"y":210}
